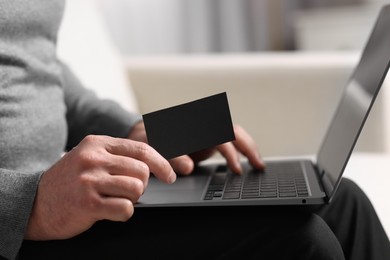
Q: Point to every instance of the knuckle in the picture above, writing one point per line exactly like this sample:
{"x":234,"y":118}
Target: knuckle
{"x":166,"y":167}
{"x":88,"y":183}
{"x":143,"y":172}
{"x":137,"y":189}
{"x":90,"y":139}
{"x":92,"y":203}
{"x":143,"y":150}
{"x":143,"y":168}
{"x":86,"y":180}
{"x":91,"y":158}
{"x":127,"y":210}
{"x":88,"y":159}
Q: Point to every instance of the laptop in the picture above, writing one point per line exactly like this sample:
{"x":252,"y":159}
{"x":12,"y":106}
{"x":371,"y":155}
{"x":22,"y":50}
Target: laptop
{"x":291,"y":181}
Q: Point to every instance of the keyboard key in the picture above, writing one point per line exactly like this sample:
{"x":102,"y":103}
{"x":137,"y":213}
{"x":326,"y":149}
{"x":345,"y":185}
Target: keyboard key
{"x":268,"y":195}
{"x":231,"y":195}
{"x":218,"y":194}
{"x":287,"y":194}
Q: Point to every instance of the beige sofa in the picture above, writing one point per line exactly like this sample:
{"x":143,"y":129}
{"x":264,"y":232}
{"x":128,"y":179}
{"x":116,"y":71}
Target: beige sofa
{"x":285,"y":100}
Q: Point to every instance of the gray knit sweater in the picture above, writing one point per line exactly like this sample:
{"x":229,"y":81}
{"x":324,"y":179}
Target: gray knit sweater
{"x":44,"y":110}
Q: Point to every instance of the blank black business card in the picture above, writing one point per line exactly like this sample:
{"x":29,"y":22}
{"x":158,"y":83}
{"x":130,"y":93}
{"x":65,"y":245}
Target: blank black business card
{"x":190,"y":127}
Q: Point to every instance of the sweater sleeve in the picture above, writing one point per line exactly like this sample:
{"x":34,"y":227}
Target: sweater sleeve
{"x":87,"y":114}
{"x":17,"y":193}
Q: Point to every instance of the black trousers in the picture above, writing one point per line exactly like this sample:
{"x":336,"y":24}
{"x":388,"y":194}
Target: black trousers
{"x":347,"y":228}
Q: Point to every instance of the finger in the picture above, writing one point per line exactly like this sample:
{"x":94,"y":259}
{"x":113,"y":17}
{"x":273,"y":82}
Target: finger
{"x":115,"y":209}
{"x":247,"y":146}
{"x":231,"y":155}
{"x":121,"y":165}
{"x":138,"y":133}
{"x":182,"y":164}
{"x":157,"y":164}
{"x":121,"y":187}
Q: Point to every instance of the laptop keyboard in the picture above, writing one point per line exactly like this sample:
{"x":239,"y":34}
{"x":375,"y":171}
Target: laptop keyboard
{"x":278,"y":180}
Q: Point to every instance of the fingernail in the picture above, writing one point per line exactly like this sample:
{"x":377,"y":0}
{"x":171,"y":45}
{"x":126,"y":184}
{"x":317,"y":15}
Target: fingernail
{"x":172,"y":177}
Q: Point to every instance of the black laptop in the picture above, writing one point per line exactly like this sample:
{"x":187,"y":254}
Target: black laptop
{"x":291,"y":182}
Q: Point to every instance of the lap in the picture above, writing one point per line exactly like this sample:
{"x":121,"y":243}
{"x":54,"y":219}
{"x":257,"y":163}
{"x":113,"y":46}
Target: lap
{"x":354,"y":221}
{"x":193,"y":233}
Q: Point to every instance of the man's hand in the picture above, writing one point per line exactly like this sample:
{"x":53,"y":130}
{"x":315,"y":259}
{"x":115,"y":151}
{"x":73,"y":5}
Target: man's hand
{"x":101,"y":178}
{"x":243,"y":144}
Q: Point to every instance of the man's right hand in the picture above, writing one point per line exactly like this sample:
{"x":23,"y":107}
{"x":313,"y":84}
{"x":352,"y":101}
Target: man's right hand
{"x":101,"y":178}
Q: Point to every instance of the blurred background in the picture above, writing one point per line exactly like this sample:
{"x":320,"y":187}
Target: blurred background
{"x":202,"y":26}
{"x":283,"y":62}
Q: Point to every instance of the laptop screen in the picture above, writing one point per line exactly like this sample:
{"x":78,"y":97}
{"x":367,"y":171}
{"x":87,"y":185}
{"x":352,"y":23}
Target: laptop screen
{"x":356,"y":102}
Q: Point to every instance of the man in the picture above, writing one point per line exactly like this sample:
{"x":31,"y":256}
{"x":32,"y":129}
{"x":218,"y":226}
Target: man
{"x":81,"y":204}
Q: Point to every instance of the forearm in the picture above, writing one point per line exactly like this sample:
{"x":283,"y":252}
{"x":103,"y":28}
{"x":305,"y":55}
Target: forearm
{"x":16,"y":201}
{"x":87,"y":114}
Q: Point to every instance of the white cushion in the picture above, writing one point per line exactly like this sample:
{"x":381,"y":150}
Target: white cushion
{"x":85,"y":45}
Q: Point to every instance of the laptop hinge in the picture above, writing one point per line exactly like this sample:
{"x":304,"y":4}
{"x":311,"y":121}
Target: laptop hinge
{"x":327,"y":185}
{"x":324,"y":181}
